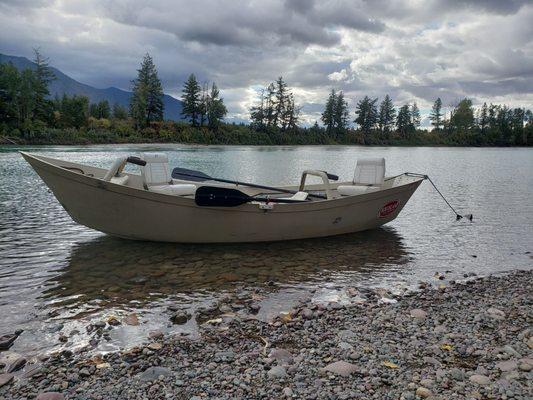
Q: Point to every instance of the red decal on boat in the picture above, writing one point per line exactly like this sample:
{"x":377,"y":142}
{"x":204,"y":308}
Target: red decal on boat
{"x":388,"y":208}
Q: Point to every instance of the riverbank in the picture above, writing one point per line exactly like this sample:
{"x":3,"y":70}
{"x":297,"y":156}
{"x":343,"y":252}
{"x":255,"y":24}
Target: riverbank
{"x":470,"y":340}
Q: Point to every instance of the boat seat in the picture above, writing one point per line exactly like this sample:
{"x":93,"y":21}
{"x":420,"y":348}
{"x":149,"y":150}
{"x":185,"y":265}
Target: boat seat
{"x":353,"y":190}
{"x":300,"y":196}
{"x":120,"y":180}
{"x":368,"y":177}
{"x":156,"y":176}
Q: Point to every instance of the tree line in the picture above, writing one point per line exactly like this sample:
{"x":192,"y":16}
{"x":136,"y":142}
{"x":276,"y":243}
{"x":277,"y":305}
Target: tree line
{"x":26,"y":107}
{"x":28,"y":112}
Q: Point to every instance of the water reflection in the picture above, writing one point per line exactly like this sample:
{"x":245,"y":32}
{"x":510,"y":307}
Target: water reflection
{"x":112,"y":272}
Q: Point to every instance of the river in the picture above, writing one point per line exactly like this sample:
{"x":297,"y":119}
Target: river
{"x":57,"y":277}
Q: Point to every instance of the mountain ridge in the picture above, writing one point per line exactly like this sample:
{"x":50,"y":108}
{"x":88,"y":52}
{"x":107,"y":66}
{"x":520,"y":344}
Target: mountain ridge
{"x":64,"y":84}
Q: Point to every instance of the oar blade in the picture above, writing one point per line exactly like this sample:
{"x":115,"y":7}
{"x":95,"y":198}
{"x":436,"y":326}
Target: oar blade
{"x":185,"y":174}
{"x":212,"y":196}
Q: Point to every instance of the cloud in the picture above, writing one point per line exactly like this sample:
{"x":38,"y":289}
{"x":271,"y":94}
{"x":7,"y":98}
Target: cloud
{"x":412,"y":50}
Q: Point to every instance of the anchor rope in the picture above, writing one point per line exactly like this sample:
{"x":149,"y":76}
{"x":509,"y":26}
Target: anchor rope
{"x":457,"y":215}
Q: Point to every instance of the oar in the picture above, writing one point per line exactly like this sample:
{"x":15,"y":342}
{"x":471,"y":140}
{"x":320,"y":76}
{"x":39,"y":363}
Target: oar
{"x":198,"y":176}
{"x":213,"y":196}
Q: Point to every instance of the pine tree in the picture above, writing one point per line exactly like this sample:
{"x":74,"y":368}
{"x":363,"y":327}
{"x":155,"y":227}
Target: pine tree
{"x":403,"y":121}
{"x":483,"y":120}
{"x":146,"y":103}
{"x":340,"y":113}
{"x":202,"y":106}
{"x":328,"y":116}
{"x":191,"y":100}
{"x":367,"y":114}
{"x":216,"y":110}
{"x":280,"y":102}
{"x":462,"y":117}
{"x":43,"y":75}
{"x":387,"y":115}
{"x":436,"y":117}
{"x":257,"y":112}
{"x":415,"y":116}
{"x":119,"y":112}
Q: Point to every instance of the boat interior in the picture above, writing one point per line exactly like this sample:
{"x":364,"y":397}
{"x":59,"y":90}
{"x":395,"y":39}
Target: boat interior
{"x":155,"y":176}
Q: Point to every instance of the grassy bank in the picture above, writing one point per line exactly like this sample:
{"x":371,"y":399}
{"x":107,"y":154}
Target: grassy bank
{"x":122,"y":131}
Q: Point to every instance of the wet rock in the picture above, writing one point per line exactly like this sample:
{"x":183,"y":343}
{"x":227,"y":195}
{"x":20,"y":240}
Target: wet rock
{"x":277,"y":372}
{"x":99,"y":324}
{"x":154,"y":335}
{"x":341,"y":368}
{"x":50,"y":396}
{"x":180,"y":318}
{"x":17,"y":364}
{"x":153,"y":373}
{"x":155,"y":346}
{"x":5,"y":379}
{"x":423,"y":392}
{"x":84,"y":373}
{"x":6,"y":341}
{"x":481,"y":380}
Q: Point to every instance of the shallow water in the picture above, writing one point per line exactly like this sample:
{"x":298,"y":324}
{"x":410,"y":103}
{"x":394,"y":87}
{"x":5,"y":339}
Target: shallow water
{"x":54,"y":272}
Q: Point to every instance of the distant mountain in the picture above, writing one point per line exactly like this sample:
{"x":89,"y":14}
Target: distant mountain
{"x":65,"y":84}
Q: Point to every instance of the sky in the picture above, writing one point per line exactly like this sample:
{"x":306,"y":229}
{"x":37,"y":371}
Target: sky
{"x":413,"y":50}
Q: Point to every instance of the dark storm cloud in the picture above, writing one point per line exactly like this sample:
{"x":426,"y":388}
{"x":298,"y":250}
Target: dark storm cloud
{"x":414,"y":51}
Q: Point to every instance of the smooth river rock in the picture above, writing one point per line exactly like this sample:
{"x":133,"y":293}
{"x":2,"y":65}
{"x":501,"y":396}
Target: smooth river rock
{"x":50,"y":396}
{"x":341,"y":368}
{"x":5,"y":379}
{"x":153,"y":373}
{"x":481,"y":380}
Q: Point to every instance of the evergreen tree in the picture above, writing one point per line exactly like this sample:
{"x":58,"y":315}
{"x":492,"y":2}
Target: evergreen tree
{"x":436,"y":117}
{"x":146,"y":103}
{"x":257,"y":113}
{"x":415,"y":116}
{"x":280,"y":102}
{"x":367,"y":114}
{"x":328,"y":116}
{"x":10,"y":83}
{"x":216,"y":110}
{"x":203,"y":104}
{"x":483,"y":119}
{"x":403,"y":121}
{"x":43,"y":75}
{"x":191,"y":100}
{"x":462,"y":118}
{"x":387,"y":115}
{"x":340,"y":113}
{"x":119,"y":112}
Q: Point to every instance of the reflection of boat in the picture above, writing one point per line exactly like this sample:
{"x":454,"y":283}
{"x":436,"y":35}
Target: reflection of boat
{"x":153,"y":206}
{"x":118,"y":271}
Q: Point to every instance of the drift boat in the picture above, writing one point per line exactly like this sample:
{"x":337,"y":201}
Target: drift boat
{"x":191,"y":207}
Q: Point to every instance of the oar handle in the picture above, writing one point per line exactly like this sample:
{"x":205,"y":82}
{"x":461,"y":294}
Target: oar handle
{"x":136,"y":160}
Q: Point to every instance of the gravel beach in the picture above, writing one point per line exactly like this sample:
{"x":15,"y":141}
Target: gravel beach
{"x":468,"y":340}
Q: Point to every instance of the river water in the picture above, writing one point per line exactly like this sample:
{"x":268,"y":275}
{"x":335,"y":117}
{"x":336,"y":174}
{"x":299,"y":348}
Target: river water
{"x":57,"y":277}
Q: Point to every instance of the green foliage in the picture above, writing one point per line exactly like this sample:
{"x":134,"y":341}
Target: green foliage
{"x":366,"y":114}
{"x":146,"y":103}
{"x":119,"y":112}
{"x":462,"y":118}
{"x":436,"y":114}
{"x":403,"y":121}
{"x":216,"y":110}
{"x":387,"y":115}
{"x":191,"y":100}
{"x":100,"y":110}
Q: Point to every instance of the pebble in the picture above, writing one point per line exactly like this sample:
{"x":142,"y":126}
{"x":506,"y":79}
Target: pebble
{"x":154,"y":373}
{"x":277,"y":372}
{"x":417,"y":313}
{"x":50,"y":396}
{"x":282,"y":356}
{"x":341,"y":368}
{"x":5,"y":379}
{"x":481,"y":380}
{"x":16,"y":365}
{"x":423,"y":392}
{"x":506,"y":366}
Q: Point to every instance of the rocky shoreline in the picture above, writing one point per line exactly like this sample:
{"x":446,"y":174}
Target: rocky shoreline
{"x":472,"y":340}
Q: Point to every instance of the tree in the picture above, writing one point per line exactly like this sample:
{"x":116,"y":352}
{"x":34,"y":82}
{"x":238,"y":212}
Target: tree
{"x":203,"y":104}
{"x":280,"y":102}
{"x":276,"y":108}
{"x":146,"y":103}
{"x":100,"y":110}
{"x":191,"y":100}
{"x":340,"y":113}
{"x":10,"y":83}
{"x":74,"y":111}
{"x":43,"y":75}
{"x":462,"y":118}
{"x":257,"y":113}
{"x":403,"y":121}
{"x":387,"y":115}
{"x":367,"y":114}
{"x":436,"y":114}
{"x":483,"y":120}
{"x":328,"y":116}
{"x":119,"y":112}
{"x":216,"y":110}
{"x":415,"y":116}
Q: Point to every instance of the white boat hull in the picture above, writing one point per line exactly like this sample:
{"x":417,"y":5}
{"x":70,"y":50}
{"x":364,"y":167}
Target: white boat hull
{"x":138,"y":214}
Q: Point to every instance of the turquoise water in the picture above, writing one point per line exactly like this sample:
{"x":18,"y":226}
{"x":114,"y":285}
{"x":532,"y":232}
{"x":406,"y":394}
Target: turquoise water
{"x":53,"y":271}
